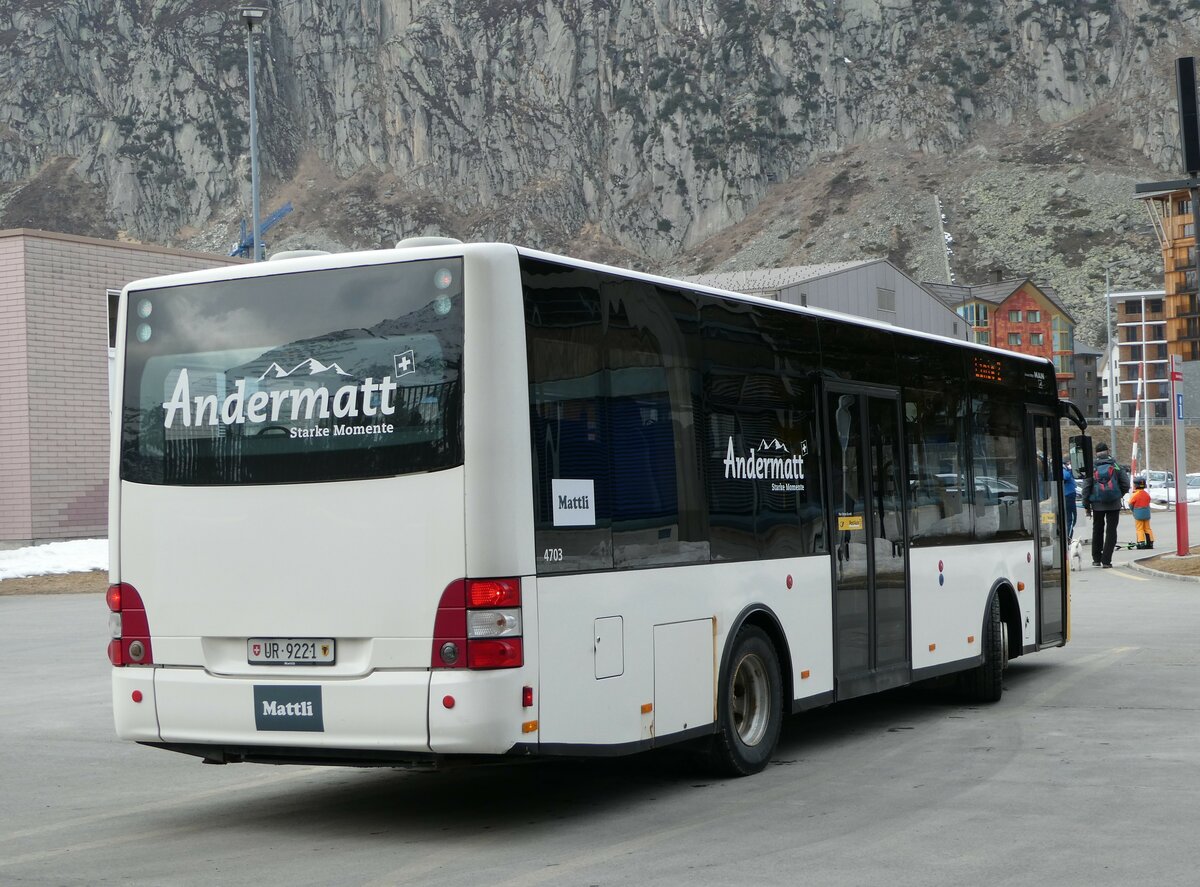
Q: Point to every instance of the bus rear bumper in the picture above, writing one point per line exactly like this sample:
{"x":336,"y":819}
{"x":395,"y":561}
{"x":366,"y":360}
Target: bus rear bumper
{"x":386,"y":715}
{"x":189,"y":706}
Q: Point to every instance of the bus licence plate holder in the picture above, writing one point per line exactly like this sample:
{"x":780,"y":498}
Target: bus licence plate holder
{"x":291,"y":651}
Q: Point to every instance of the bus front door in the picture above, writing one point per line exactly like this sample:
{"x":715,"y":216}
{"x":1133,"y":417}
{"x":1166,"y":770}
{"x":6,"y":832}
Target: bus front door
{"x":870,"y":560}
{"x":1051,"y":533}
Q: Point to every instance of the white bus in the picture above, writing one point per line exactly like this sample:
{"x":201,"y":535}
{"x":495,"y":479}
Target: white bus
{"x":451,"y":501}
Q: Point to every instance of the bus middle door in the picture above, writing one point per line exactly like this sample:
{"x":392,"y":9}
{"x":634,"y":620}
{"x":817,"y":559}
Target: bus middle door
{"x":869,"y":558}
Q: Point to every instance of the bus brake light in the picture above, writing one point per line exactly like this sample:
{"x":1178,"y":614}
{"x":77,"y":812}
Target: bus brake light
{"x":493,"y":593}
{"x":130,"y":644}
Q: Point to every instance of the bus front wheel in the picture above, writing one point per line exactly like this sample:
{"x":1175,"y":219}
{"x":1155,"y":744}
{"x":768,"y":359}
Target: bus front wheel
{"x":749,"y":706}
{"x":984,"y":682}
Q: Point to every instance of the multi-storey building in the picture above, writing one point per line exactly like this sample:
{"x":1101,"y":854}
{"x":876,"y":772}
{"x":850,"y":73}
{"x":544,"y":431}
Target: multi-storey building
{"x":1018,"y":314}
{"x":1143,"y":348}
{"x":1085,"y":387}
{"x":1171,"y":211}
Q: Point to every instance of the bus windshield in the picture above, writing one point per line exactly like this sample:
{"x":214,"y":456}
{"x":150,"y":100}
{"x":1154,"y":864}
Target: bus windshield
{"x":315,"y":376}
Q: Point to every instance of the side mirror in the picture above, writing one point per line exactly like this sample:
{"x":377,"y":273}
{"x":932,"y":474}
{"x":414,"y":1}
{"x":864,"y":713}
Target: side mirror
{"x":1081,"y":455}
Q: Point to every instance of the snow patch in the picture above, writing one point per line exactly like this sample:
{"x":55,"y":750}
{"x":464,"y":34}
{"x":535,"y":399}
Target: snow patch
{"x":54,"y":557}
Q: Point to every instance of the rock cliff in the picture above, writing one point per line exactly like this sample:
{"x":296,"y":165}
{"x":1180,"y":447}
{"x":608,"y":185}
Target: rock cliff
{"x":658,"y":133}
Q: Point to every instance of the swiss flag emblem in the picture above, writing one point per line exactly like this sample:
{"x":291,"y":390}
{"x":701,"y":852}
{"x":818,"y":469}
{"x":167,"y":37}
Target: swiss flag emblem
{"x":257,"y":648}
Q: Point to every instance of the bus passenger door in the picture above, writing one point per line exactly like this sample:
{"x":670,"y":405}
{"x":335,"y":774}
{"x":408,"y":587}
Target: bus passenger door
{"x":870,"y":560}
{"x":1051,"y":526}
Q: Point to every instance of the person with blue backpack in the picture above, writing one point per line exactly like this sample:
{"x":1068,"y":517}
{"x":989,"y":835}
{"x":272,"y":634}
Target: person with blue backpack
{"x":1102,"y":494}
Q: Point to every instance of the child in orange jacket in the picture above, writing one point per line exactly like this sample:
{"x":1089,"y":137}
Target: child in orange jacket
{"x":1139,"y":504}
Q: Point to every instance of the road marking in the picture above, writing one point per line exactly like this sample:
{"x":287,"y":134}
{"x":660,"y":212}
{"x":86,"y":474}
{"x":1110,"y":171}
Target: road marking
{"x":111,"y":841}
{"x":154,"y":806}
{"x":1128,"y":574}
{"x":1080,"y":669}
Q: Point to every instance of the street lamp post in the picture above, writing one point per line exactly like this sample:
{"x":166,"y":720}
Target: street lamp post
{"x":251,"y":16}
{"x":1113,"y":400}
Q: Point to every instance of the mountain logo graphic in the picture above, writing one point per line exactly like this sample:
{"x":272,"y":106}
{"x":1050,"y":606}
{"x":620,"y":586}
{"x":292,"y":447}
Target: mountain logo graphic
{"x":312,"y":366}
{"x":774,"y":446}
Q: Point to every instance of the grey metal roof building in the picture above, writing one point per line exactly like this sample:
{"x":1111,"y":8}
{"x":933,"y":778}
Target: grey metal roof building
{"x":871,"y":288}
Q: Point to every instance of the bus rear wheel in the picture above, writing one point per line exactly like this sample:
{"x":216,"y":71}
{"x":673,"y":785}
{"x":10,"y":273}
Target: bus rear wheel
{"x":749,"y":706}
{"x":984,"y":683}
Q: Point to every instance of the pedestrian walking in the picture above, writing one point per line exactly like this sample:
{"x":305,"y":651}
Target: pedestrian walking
{"x":1069,"y":491}
{"x":1102,"y":494}
{"x":1139,"y":504}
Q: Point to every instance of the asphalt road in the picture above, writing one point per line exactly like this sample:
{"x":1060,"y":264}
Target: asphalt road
{"x":1087,"y":772}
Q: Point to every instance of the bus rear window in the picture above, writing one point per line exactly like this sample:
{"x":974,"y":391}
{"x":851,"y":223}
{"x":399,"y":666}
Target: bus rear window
{"x":292,"y":378}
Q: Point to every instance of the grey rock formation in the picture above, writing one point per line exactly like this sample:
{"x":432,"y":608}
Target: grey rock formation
{"x":638,"y":130}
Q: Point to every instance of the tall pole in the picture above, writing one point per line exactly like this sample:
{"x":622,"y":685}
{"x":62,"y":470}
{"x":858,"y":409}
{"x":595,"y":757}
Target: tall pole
{"x":252,"y":15}
{"x":1114,"y":399}
{"x":255,"y":226}
{"x":1145,"y":392}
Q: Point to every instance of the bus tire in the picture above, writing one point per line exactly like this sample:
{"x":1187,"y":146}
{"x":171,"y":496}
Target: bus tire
{"x":984,"y":683}
{"x":749,"y":706}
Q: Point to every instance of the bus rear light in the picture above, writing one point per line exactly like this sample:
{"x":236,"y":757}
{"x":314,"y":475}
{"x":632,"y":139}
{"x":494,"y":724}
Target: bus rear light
{"x":478,"y":625}
{"x":493,"y":593}
{"x":527,"y":697}
{"x":495,"y":654}
{"x":129,"y":627}
{"x":493,"y":623}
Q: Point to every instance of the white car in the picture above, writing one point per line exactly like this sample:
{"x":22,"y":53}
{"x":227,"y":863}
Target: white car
{"x":1166,"y":495}
{"x":1158,"y":479}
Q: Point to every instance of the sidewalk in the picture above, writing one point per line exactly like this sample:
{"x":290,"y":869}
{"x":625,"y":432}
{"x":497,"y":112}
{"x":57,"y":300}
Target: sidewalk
{"x":1165,"y":541}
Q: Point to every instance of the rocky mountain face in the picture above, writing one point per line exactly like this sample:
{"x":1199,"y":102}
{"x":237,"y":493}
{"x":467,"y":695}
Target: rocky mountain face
{"x":671,"y":135}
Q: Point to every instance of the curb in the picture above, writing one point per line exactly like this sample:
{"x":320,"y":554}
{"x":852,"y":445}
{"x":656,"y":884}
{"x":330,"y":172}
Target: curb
{"x":1137,"y":567}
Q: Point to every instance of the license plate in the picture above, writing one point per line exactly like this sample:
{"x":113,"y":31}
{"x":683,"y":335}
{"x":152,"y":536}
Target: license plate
{"x":290,"y":651}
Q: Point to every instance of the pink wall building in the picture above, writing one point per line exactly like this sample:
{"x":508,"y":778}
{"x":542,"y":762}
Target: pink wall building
{"x":54,"y":372}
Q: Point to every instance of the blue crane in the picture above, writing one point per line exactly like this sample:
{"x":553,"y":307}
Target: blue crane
{"x":245,"y":245}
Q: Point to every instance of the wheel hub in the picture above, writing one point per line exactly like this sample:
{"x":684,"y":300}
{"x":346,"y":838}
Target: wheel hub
{"x":751,"y":700}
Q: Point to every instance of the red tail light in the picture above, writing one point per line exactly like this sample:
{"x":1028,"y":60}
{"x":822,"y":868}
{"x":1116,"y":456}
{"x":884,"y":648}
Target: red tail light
{"x":456,"y":637}
{"x":494,"y":654}
{"x":493,"y":593}
{"x":132,"y":645}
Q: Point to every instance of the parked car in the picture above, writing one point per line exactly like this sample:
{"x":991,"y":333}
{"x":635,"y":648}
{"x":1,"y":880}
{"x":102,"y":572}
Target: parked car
{"x":1166,"y":494}
{"x":991,"y":489}
{"x":1158,"y":478}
